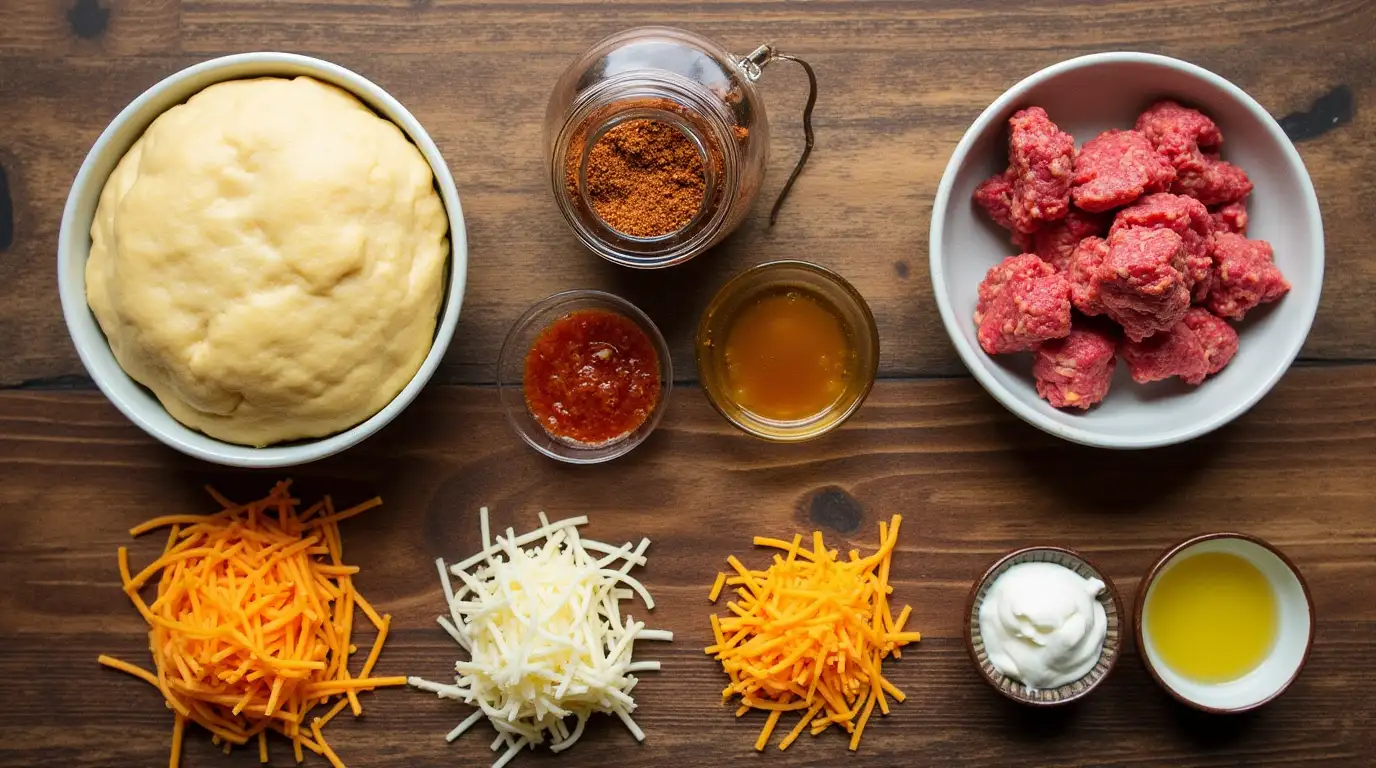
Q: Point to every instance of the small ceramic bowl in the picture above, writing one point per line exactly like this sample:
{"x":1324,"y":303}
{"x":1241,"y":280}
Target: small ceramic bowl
{"x":1294,"y":637}
{"x":834,"y":290}
{"x":1072,"y":691}
{"x":74,"y":247}
{"x":1085,"y":96}
{"x":511,"y":362}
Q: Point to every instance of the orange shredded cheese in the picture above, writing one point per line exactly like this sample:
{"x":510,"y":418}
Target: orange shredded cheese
{"x":716,"y":588}
{"x":251,"y":623}
{"x":810,"y":634}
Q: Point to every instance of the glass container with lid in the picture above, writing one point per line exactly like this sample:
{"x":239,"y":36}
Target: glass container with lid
{"x":681,"y":80}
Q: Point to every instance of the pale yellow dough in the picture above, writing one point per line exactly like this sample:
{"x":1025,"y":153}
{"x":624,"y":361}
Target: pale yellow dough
{"x":269,"y":259}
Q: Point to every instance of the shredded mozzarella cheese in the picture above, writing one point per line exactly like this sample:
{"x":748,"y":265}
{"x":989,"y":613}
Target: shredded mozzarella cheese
{"x":545,"y":635}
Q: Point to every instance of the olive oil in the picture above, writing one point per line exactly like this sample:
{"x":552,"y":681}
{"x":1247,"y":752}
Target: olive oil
{"x":1212,"y":617}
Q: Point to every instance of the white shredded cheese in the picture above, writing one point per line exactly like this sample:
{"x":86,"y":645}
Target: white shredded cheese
{"x":545,"y":635}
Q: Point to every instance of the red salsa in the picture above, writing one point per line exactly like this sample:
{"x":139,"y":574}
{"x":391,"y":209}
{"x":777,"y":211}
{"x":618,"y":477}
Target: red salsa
{"x":591,"y":377}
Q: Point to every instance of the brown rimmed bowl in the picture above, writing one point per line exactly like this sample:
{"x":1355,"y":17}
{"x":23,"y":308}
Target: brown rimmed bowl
{"x":1295,"y":633}
{"x":1015,"y":689}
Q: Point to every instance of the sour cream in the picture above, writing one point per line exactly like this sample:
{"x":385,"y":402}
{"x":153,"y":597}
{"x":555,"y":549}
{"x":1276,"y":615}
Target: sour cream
{"x":1042,"y":625}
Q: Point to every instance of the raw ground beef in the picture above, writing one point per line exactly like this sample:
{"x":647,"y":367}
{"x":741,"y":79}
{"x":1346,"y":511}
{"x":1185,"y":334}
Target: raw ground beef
{"x":1186,"y":217}
{"x":1117,"y":167}
{"x":1085,"y":261}
{"x":1178,"y":237}
{"x":1182,"y":135}
{"x":1219,"y":338}
{"x":1024,"y":242}
{"x":995,"y":196}
{"x":1041,"y":158}
{"x":1230,"y":217}
{"x":1075,"y":372}
{"x":1054,"y":242}
{"x":1176,"y":351}
{"x":1026,"y":312}
{"x":1244,"y":276}
{"x":1218,"y":182}
{"x":1141,"y":284}
{"x":1012,"y":268}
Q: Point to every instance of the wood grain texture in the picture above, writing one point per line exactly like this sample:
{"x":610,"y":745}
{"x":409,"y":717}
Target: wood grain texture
{"x":95,"y":29}
{"x":900,"y":82}
{"x":972,"y":482}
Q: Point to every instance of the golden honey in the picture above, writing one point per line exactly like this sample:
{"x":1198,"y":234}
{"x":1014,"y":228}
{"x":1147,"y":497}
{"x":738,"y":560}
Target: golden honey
{"x":788,"y":355}
{"x":787,"y":351}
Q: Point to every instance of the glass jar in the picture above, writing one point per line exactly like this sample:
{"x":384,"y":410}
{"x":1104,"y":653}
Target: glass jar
{"x":673,"y":77}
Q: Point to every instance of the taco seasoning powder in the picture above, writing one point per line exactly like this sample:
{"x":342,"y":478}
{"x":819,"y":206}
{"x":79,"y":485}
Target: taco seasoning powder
{"x":645,"y":178}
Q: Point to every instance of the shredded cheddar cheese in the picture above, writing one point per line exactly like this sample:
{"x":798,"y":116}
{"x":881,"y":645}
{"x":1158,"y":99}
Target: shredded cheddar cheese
{"x":251,"y":625}
{"x":809,"y":634}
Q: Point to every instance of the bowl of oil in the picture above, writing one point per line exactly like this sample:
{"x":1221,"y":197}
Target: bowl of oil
{"x":1224,"y":622}
{"x":787,"y":351}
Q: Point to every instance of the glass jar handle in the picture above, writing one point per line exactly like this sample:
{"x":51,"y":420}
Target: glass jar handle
{"x":750,"y":66}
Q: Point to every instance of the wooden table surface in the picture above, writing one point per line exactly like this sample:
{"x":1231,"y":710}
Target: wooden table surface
{"x":899,"y":84}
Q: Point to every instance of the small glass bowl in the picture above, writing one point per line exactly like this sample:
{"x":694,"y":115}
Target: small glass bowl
{"x":835,"y":291}
{"x":511,"y":368}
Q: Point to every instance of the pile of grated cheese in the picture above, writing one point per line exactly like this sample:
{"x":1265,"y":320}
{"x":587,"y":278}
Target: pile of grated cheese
{"x":252,"y":625}
{"x":540,"y":617}
{"x":810,"y":634}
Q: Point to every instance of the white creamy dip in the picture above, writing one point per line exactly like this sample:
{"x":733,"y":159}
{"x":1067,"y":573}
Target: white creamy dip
{"x":1042,"y":625}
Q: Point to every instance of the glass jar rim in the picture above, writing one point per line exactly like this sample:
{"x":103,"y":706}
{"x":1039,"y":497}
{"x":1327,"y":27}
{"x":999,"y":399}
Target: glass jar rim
{"x":714,"y":132}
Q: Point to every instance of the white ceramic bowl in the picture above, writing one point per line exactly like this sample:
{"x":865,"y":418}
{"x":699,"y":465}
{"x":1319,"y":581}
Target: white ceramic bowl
{"x":1295,"y":635}
{"x":74,"y":246}
{"x":1085,"y":96}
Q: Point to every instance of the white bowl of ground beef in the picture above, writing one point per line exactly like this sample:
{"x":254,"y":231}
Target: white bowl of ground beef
{"x":1086,"y":96}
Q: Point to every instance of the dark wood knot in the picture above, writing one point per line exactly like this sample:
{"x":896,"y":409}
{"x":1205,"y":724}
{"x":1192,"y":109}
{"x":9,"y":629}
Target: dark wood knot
{"x":833,"y":508}
{"x":1329,"y":111}
{"x":88,"y":19}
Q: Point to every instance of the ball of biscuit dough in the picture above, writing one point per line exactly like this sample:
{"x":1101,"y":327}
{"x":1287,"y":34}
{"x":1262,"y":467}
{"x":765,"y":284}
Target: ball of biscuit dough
{"x":269,"y":259}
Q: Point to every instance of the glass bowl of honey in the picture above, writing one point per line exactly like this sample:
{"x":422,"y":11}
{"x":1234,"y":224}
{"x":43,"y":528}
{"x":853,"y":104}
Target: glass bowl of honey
{"x":787,"y":351}
{"x":584,"y":376}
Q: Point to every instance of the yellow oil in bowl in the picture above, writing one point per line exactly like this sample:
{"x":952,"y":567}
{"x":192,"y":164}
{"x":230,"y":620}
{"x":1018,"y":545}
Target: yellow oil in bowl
{"x":1212,"y":617}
